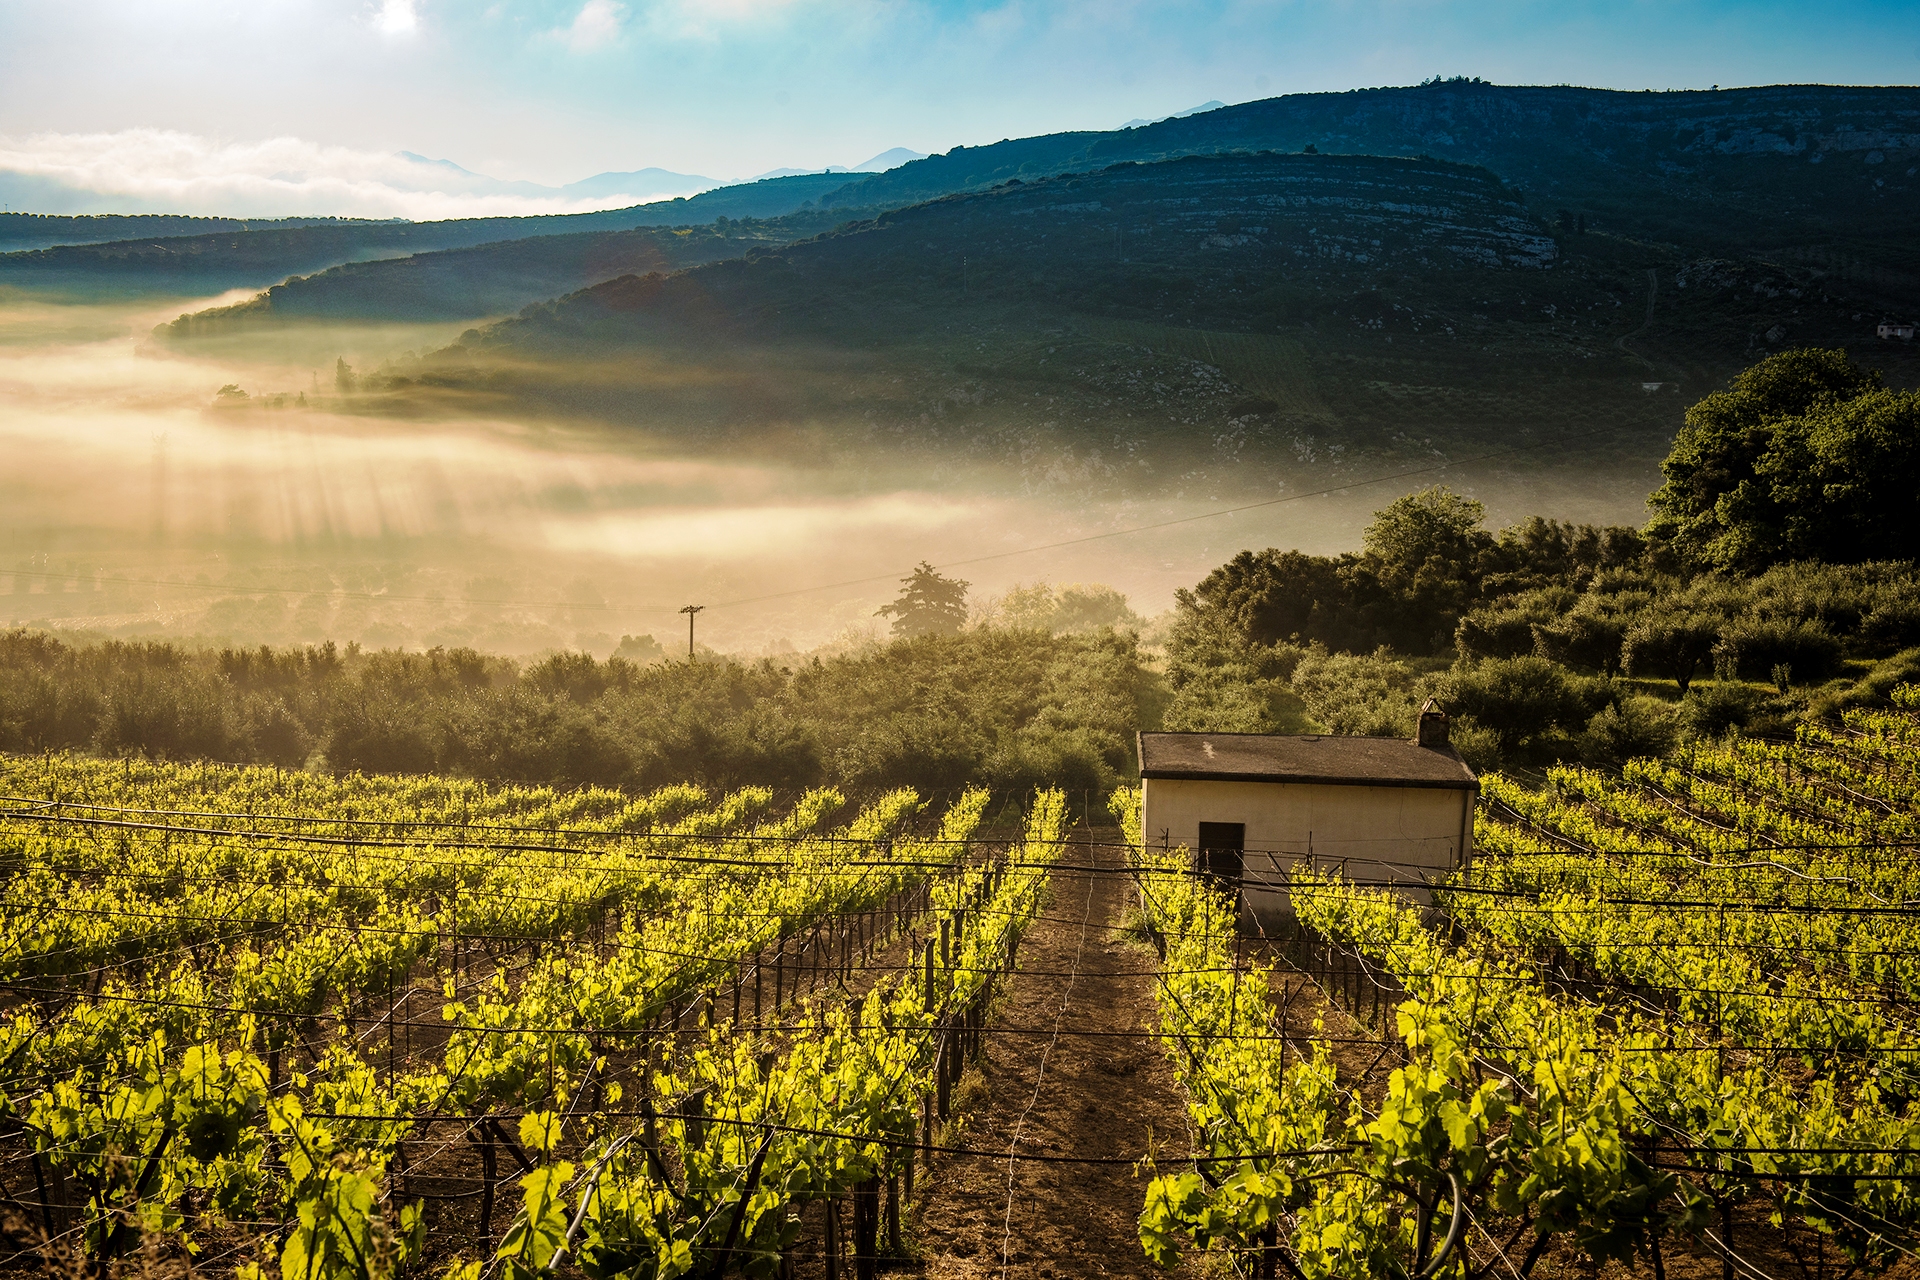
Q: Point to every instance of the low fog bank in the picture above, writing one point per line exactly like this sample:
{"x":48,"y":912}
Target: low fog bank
{"x":141,"y":501}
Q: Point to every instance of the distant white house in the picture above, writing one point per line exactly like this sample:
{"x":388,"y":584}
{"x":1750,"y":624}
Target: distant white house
{"x":1904,"y":332}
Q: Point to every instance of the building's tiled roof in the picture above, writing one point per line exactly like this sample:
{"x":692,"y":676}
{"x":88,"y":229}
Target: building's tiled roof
{"x":1267,"y":757}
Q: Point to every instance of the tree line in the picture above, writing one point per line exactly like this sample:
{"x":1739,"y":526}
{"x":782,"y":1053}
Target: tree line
{"x":1775,"y":579}
{"x":1011,"y":707}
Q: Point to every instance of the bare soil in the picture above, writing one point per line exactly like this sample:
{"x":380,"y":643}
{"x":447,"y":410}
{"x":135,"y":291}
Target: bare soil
{"x":1067,"y":1072}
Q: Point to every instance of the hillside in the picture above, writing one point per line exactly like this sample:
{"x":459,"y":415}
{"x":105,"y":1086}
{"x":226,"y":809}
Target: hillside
{"x":489,"y":279}
{"x":1824,"y":174}
{"x":1761,"y":168}
{"x":231,"y":259}
{"x":1165,"y":324}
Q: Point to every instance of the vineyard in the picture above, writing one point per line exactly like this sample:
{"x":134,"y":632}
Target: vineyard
{"x":316,"y":1027}
{"x":1666,"y":1019}
{"x":282,"y":1024}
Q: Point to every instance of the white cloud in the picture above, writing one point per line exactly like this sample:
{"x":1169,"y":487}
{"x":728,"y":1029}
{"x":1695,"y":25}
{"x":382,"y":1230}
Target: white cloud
{"x":162,"y":171}
{"x":396,"y":17}
{"x":598,"y":23}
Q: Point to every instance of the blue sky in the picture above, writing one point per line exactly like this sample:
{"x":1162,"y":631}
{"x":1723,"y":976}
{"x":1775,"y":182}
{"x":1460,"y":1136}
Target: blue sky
{"x":555,"y":90}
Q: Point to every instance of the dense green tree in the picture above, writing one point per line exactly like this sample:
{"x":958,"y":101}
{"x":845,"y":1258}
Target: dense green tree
{"x":1074,"y":607}
{"x":1507,"y":629}
{"x":1539,"y":552}
{"x":1426,"y":566}
{"x":1805,"y":456}
{"x":1842,"y":481}
{"x":1754,"y":648}
{"x":1582,"y":638}
{"x":1268,"y":596}
{"x":1224,"y":683}
{"x":1427,"y":546}
{"x":928,"y":605}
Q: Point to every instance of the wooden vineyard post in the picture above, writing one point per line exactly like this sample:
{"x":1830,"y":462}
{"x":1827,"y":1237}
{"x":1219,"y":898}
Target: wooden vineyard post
{"x":866,"y":1229}
{"x":906,"y":1186}
{"x":942,"y":1085}
{"x":695,"y":1114}
{"x":893,"y":1208}
{"x":759,"y":968}
{"x":486,"y":1195}
{"x":926,"y":1129}
{"x":832,"y":1241}
{"x":736,"y":993}
{"x":40,"y":1187}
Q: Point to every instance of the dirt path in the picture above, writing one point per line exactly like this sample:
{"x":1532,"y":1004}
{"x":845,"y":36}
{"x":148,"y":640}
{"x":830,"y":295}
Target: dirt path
{"x":1097,"y":1096}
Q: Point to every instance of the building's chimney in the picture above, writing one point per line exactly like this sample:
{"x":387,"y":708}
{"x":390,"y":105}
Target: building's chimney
{"x":1432,"y":726}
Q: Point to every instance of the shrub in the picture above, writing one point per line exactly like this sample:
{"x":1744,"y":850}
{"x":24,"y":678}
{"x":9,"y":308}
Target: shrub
{"x":1671,"y":644}
{"x":1752,"y":648}
{"x":1369,"y":695}
{"x":1875,"y":689}
{"x":1631,"y":727}
{"x":1894,"y":624}
{"x":1495,"y":633}
{"x":1711,"y":710}
{"x":1526,"y":703}
{"x":1478,"y":746}
{"x":1583,"y":638}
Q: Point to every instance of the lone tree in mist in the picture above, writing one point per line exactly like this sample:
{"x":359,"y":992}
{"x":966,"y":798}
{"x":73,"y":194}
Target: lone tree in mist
{"x":929,"y":604}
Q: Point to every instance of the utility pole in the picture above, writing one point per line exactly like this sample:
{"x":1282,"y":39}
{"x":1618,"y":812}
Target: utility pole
{"x":690,"y":610}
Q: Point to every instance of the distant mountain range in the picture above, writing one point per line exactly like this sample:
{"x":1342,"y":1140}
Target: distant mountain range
{"x":405,"y":178}
{"x":1213,"y":105}
{"x":891,"y":159}
{"x":641,"y":185}
{"x":237,"y":258}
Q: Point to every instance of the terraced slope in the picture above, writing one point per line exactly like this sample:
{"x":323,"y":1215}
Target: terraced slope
{"x":1168,"y":320}
{"x":1756,"y":168}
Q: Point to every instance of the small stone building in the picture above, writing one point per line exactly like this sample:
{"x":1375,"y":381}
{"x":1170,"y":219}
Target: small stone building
{"x":1253,"y":806}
